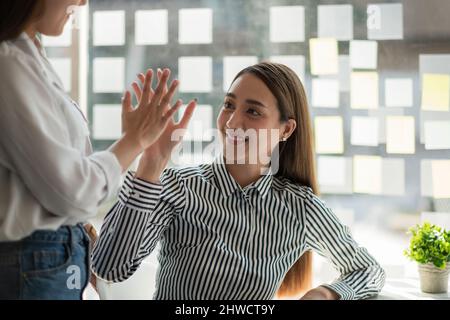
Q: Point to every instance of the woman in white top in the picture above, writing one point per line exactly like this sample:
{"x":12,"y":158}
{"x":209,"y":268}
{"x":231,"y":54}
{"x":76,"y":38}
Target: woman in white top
{"x":50,"y":181}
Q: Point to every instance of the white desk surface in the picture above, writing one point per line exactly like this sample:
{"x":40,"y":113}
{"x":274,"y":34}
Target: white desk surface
{"x":407,"y":289}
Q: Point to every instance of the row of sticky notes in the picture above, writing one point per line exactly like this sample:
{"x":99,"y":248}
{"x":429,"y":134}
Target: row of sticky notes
{"x":361,"y":174}
{"x":399,"y":130}
{"x":195,"y":73}
{"x":287,"y":24}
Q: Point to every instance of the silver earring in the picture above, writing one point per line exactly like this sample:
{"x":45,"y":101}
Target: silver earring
{"x":284,"y":139}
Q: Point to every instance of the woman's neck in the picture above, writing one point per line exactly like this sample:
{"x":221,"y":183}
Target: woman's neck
{"x":244,"y":174}
{"x":31,"y":32}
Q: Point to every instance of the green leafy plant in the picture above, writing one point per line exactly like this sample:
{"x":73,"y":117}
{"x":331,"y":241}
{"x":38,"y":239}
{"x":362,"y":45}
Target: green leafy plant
{"x":429,"y":244}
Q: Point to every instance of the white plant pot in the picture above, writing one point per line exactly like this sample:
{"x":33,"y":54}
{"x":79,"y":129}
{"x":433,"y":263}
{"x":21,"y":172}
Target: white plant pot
{"x":433,"y":279}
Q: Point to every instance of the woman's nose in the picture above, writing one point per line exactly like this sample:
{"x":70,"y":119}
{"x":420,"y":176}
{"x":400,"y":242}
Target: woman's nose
{"x":83,"y":2}
{"x":235,"y":121}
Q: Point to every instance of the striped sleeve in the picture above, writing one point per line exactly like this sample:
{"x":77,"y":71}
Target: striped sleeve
{"x":135,"y":224}
{"x":360,"y":274}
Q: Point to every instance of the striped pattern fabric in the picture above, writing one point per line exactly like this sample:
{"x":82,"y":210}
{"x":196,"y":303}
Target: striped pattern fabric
{"x":221,"y":241}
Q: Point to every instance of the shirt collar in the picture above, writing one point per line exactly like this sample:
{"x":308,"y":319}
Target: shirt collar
{"x":227,"y":184}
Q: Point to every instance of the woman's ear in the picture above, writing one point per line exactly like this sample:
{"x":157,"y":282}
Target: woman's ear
{"x":289,"y":128}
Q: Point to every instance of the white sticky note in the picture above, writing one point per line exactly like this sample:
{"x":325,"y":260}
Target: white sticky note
{"x":151,"y":27}
{"x":195,"y":26}
{"x":296,"y":63}
{"x":201,"y":124}
{"x":329,"y":135}
{"x":363,"y":54}
{"x":426,"y":116}
{"x":400,"y":135}
{"x":437,"y":135}
{"x":331,"y":171}
{"x":109,"y":28}
{"x":63,"y":67}
{"x":195,"y":74}
{"x":107,"y":124}
{"x":365,"y":131}
{"x":287,"y":24}
{"x":233,"y":65}
{"x":398,"y":92}
{"x":63,"y":40}
{"x":434,"y":63}
{"x":335,"y":21}
{"x":324,"y":56}
{"x":109,"y":75}
{"x":440,"y":171}
{"x":385,"y":21}
{"x":325,"y":93}
{"x":435,"y":92}
{"x":393,"y":181}
{"x":367,"y":174}
{"x":381,"y":114}
{"x":364,"y":90}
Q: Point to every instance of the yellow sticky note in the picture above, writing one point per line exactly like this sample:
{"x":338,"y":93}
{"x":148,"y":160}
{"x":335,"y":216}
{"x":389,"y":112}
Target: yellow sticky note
{"x":324,"y":56}
{"x":440,"y":171}
{"x":367,"y":174}
{"x":435,"y":92}
{"x":400,"y":135}
{"x":364,"y":90}
{"x":329,"y":135}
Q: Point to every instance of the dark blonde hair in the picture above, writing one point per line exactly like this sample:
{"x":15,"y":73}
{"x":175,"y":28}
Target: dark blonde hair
{"x":296,"y":161}
{"x":17,"y":15}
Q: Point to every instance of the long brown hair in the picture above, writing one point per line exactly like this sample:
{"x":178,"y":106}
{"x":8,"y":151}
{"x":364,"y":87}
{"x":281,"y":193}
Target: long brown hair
{"x":17,"y":15}
{"x":296,"y":161}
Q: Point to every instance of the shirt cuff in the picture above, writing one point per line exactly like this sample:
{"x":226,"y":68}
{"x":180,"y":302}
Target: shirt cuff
{"x":139,"y":194}
{"x":344,"y":291}
{"x":112,"y":169}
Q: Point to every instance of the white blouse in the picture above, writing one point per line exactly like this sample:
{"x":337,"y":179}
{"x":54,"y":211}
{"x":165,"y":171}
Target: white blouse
{"x":48,"y":174}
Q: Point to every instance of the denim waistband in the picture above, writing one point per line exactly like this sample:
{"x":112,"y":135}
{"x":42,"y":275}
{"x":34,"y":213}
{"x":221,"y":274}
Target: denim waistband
{"x":63,"y":234}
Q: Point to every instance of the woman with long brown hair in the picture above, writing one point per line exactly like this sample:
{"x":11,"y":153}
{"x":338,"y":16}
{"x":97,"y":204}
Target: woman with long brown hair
{"x":50,"y":180}
{"x":238,"y":228}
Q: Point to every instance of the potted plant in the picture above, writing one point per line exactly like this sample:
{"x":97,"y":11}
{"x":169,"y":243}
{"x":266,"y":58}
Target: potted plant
{"x":430,"y":247}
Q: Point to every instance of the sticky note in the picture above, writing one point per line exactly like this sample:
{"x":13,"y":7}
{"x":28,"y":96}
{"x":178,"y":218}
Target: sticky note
{"x":324,"y":56}
{"x":107,"y":123}
{"x":398,"y":92}
{"x":385,"y":21}
{"x":325,"y":93}
{"x":393,"y":181}
{"x":365,"y":131}
{"x":287,"y":24}
{"x":109,"y":75}
{"x":364,"y":90}
{"x":195,"y":74}
{"x":233,"y":65}
{"x":109,"y":28}
{"x":363,"y":54}
{"x":440,"y":171}
{"x":426,"y":179}
{"x":329,"y":135}
{"x":195,"y":26}
{"x":435,"y":92}
{"x":63,"y":68}
{"x":335,"y":21}
{"x":437,"y":135}
{"x":400,"y":135}
{"x":434,"y":63}
{"x":151,"y":27}
{"x":367,"y":174}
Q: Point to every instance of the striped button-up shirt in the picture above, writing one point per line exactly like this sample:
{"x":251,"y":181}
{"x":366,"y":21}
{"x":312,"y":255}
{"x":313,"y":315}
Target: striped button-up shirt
{"x":221,"y":241}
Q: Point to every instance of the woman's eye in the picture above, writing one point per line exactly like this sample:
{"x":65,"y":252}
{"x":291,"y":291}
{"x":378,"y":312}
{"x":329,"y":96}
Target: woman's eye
{"x":227,"y":105}
{"x":253,"y":112}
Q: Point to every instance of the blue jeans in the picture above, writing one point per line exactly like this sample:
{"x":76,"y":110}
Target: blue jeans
{"x":50,"y":265}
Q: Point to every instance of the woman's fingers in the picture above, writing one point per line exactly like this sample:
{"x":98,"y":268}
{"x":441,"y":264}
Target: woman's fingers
{"x":147,"y":86}
{"x":169,"y":114}
{"x":137,"y":91}
{"x":184,"y":122}
{"x":126,"y":102}
{"x":159,"y":91}
{"x":159,"y":74}
{"x":169,"y":95}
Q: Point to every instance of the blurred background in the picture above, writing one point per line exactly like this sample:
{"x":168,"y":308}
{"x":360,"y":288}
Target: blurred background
{"x":377,"y":77}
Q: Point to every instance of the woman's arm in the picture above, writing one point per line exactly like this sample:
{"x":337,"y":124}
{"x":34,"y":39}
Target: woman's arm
{"x":361,"y":275}
{"x":135,"y":224}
